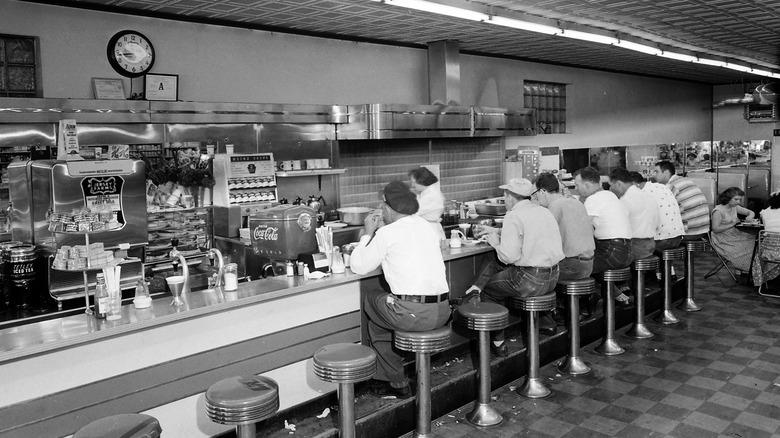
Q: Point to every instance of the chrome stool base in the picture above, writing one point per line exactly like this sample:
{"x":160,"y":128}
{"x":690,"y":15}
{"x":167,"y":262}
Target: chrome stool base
{"x":534,"y":388}
{"x":610,"y":347}
{"x":573,"y":365}
{"x":484,"y":415}
{"x":689,"y":305}
{"x":639,"y":331}
{"x":666,"y":317}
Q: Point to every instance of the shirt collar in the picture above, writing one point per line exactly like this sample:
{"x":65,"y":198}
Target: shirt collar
{"x":522,"y":204}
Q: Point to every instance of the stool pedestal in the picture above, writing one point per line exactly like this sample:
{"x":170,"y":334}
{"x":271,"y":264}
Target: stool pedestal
{"x":534,"y":385}
{"x":423,"y":344}
{"x":242,"y":402}
{"x":483,"y":318}
{"x":345,"y":364}
{"x":639,"y":330}
{"x":609,"y":345}
{"x":573,"y":363}
{"x":694,"y":246}
{"x":666,"y":316}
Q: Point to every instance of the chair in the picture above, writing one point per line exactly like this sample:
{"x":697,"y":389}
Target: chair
{"x":609,"y":346}
{"x":345,"y":364}
{"x":483,"y":318}
{"x":573,"y":363}
{"x":639,"y":330}
{"x":121,"y":425}
{"x":534,"y":385}
{"x":241,"y":402}
{"x":722,"y":261}
{"x":768,"y":252}
{"x":423,"y":344}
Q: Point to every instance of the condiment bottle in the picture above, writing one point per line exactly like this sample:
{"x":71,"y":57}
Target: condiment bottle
{"x":101,"y":296}
{"x":289,"y":269}
{"x":337,"y":263}
{"x":231,"y":276}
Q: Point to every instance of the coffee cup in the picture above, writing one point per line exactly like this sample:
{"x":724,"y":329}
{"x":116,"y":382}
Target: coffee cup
{"x":286,"y":165}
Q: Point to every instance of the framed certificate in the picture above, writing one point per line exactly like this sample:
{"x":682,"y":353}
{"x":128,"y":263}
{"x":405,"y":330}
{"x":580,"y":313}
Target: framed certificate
{"x":108,"y":88}
{"x":161,"y":87}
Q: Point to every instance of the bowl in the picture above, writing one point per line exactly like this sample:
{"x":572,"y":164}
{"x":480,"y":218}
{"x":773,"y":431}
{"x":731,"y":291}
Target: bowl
{"x":354,"y":215}
{"x":491,"y":209}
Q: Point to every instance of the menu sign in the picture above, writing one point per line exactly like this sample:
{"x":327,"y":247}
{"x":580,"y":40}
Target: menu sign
{"x":103,"y":194}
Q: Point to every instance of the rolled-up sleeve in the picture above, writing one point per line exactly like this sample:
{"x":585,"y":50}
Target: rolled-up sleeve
{"x":368,"y":254}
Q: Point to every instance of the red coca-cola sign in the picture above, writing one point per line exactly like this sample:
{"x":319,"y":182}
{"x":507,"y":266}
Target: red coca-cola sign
{"x":266,"y":232}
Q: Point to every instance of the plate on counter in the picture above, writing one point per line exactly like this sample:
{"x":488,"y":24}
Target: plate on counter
{"x":335,"y":224}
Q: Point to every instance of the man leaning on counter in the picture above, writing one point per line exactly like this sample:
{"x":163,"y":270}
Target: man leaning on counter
{"x":407,"y":249}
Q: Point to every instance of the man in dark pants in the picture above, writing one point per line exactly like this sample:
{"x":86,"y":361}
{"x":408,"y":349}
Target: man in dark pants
{"x":407,"y":249}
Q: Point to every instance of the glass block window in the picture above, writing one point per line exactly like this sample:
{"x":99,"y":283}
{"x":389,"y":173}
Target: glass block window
{"x":549,"y":100}
{"x":19,"y":66}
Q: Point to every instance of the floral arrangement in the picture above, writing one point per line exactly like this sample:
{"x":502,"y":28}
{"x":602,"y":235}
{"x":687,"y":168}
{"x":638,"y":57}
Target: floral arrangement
{"x":187,"y":173}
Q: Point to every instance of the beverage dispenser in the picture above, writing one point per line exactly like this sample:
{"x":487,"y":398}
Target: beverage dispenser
{"x":283,"y":233}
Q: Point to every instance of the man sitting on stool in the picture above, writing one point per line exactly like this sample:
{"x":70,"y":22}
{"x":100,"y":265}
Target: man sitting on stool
{"x":407,"y":249}
{"x":528,"y":248}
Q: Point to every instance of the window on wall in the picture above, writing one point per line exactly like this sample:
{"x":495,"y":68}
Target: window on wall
{"x":19,"y":66}
{"x":549,"y":100}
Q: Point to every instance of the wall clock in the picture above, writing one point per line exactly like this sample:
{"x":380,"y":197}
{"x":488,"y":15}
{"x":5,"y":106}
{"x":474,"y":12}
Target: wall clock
{"x":130,"y":53}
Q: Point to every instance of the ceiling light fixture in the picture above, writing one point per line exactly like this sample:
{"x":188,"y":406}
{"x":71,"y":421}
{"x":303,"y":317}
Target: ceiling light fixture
{"x":438,"y":8}
{"x":678,"y":56}
{"x":524,"y":25}
{"x":738,"y":67}
{"x":712,"y":62}
{"x":592,"y":37}
{"x":650,"y":50}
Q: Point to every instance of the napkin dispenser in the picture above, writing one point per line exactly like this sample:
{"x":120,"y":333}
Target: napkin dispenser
{"x":317,"y":261}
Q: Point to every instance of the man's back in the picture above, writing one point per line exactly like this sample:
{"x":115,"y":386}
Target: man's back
{"x":609,"y":215}
{"x":693,"y":205}
{"x":670,"y":222}
{"x":575,"y":226}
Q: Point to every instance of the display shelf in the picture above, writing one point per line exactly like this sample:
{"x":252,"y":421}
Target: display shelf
{"x":162,"y":209}
{"x":309,"y":172}
{"x":87,"y":269}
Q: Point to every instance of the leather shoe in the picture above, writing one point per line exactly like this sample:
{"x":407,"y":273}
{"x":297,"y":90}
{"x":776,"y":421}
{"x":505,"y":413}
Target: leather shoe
{"x":499,"y":351}
{"x":381,"y":389}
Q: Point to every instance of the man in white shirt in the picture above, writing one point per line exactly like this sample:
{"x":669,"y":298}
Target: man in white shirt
{"x":611,"y":223}
{"x":407,"y":249}
{"x":642,"y":212}
{"x":528,"y":248}
{"x":668,"y":234}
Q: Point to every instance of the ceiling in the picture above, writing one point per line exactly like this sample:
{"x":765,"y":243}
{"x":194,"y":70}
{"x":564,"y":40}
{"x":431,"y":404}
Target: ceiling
{"x":746,"y":29}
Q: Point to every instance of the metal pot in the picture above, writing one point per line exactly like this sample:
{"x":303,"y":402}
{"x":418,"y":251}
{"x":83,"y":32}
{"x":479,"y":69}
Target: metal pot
{"x":354,"y":215}
{"x":491,"y":209}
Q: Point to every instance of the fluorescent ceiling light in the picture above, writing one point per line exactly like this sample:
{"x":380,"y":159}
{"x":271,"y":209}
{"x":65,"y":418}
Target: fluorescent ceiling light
{"x":762,"y":72}
{"x":437,"y":8}
{"x":650,"y":50}
{"x":524,"y":25}
{"x":738,"y":67}
{"x":712,"y":62}
{"x":678,"y":56}
{"x":592,"y":37}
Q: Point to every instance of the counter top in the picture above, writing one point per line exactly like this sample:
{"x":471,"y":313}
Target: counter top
{"x":46,"y":336}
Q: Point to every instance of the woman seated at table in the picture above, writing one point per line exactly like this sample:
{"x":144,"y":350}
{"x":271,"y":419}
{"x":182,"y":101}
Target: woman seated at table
{"x":770,"y":216}
{"x":734,"y":245}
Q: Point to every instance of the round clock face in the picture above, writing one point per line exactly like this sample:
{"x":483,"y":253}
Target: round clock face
{"x":130,"y":53}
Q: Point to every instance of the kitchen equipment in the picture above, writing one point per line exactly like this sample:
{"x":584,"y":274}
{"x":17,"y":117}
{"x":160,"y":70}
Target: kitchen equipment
{"x":490,"y":209}
{"x":176,"y":285}
{"x":354,"y":215}
{"x":464,"y":228}
{"x":283,"y":232}
{"x":316,"y":203}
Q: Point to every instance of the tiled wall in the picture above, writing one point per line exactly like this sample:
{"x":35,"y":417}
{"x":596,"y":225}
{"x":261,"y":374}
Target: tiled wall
{"x":470,"y":168}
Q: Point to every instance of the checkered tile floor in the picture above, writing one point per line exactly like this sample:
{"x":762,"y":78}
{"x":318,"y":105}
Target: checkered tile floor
{"x":715,"y":374}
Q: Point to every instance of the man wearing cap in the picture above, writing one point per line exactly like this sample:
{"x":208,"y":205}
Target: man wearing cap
{"x":528,"y":248}
{"x":407,"y":249}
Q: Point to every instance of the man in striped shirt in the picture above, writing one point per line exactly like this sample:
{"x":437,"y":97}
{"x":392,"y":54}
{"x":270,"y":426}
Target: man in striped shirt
{"x":693,"y":205}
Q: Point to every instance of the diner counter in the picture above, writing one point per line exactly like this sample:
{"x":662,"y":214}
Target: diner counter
{"x":65,"y":372}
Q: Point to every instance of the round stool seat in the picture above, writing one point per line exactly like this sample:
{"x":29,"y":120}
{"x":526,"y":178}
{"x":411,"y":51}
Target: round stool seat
{"x":696,"y":246}
{"x":483,"y":316}
{"x":242,"y":399}
{"x":623,"y":274}
{"x":431,"y":341}
{"x":539,"y":303}
{"x":345,"y":363}
{"x":673,"y":254}
{"x":646,"y":264}
{"x":124,"y":425}
{"x":584,"y":286}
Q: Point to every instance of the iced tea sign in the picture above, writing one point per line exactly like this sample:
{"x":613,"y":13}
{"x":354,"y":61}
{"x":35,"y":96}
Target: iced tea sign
{"x":103,"y":194}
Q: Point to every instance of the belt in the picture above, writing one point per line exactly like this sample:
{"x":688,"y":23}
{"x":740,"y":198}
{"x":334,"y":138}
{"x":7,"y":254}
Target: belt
{"x":426,"y":299}
{"x":614,"y":240}
{"x":585,"y":259}
{"x":540,"y":268}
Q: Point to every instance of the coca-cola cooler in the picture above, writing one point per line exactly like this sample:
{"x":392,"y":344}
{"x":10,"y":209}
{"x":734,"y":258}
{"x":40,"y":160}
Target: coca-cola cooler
{"x":284,"y":232}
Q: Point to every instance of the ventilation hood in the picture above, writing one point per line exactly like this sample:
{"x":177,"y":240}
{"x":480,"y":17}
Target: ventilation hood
{"x":764,"y":94}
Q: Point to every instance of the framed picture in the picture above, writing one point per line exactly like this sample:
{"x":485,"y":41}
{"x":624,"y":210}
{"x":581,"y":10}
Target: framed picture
{"x":161,"y":87}
{"x":108,"y":88}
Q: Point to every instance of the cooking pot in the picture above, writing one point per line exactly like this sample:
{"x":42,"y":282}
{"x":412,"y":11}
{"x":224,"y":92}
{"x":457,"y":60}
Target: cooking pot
{"x":487,"y":209}
{"x":354,"y":215}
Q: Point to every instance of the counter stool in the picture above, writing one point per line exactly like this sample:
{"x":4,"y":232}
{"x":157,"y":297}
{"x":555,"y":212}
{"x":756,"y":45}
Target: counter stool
{"x":609,"y":346}
{"x":573,"y":363}
{"x":483,"y":318}
{"x":533,"y":386}
{"x":123,"y":425}
{"x":691,"y":247}
{"x":242,"y":401}
{"x":666,"y":316}
{"x":639,"y":330}
{"x":423,"y":344}
{"x":345,"y":364}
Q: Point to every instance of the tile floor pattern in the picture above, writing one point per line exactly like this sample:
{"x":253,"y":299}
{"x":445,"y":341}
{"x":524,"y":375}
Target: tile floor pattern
{"x":715,"y":374}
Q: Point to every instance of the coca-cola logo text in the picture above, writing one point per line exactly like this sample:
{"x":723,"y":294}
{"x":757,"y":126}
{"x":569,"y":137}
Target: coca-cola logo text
{"x":264,"y":232}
